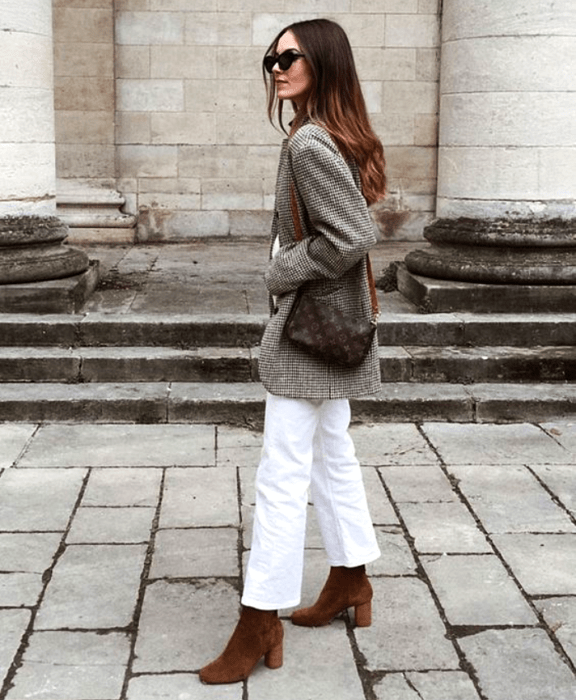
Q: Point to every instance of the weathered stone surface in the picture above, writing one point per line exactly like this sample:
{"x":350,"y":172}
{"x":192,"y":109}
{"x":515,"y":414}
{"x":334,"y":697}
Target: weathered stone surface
{"x":121,"y":446}
{"x":93,"y":587}
{"x":418,"y":484}
{"x":200,"y":552}
{"x":407,"y":631}
{"x":19,"y":589}
{"x":111,"y":525}
{"x":400,"y":444}
{"x":495,"y":444}
{"x":182,"y":685}
{"x":13,"y":624}
{"x":509,"y":499}
{"x":305,"y":671}
{"x":518,"y":665}
{"x":24,"y":505}
{"x":30,"y":552}
{"x":184,"y":625}
{"x":396,"y":559}
{"x":13,"y":440}
{"x":544,"y":564}
{"x":476,"y":590}
{"x":124,"y":486}
{"x":72,"y":665}
{"x":560,"y":615}
{"x":443,"y":527}
{"x":199,"y":498}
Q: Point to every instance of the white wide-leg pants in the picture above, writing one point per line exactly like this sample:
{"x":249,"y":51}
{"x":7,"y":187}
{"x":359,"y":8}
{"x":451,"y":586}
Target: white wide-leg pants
{"x":306,"y":444}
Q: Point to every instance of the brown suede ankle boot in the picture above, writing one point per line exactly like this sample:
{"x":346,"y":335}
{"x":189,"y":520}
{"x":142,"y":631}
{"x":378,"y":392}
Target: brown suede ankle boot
{"x":259,"y":633}
{"x":345,"y":588}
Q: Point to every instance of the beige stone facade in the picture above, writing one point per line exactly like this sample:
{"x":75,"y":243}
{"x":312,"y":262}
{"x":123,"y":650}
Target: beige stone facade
{"x":163,"y":102}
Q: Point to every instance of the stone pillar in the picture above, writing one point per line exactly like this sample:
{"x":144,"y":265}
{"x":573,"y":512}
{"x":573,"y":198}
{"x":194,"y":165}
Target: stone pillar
{"x":505,"y":234}
{"x":31,"y":235}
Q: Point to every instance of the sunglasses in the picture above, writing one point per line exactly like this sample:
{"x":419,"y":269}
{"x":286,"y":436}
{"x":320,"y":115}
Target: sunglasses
{"x":284,"y":60}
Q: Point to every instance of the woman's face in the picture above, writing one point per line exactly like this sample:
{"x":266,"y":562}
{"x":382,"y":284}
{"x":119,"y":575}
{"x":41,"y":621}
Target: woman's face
{"x":295,"y":83}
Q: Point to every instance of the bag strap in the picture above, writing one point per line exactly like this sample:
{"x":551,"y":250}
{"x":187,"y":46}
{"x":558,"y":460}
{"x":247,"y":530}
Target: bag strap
{"x":298,"y":235}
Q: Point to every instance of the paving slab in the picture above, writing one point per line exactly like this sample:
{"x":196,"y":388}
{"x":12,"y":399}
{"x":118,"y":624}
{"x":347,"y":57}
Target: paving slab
{"x":123,"y":486}
{"x":543,"y":564}
{"x":238,"y":447}
{"x":30,"y":552}
{"x":19,"y":589}
{"x":397,"y":558}
{"x":518,"y":664}
{"x":72,"y":666}
{"x":426,"y":484}
{"x":381,"y":509}
{"x":121,"y":445}
{"x":465,"y":443}
{"x":309,"y":671}
{"x":443,"y":527}
{"x":443,"y":685}
{"x":13,"y":439}
{"x":431,"y":685}
{"x":184,"y":626}
{"x":509,"y":499}
{"x":477,"y":591}
{"x":111,"y":525}
{"x":200,"y":498}
{"x":93,"y":587}
{"x":180,"y":686}
{"x":23,"y":503}
{"x":561,"y":480}
{"x":385,"y":444}
{"x":560,"y":615}
{"x":13,"y":625}
{"x":200,"y":552}
{"x":407,"y":632}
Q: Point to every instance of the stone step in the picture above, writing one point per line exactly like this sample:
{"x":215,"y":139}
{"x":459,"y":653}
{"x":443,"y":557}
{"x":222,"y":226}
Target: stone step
{"x":234,"y":364}
{"x":189,"y":331}
{"x":243,"y":403}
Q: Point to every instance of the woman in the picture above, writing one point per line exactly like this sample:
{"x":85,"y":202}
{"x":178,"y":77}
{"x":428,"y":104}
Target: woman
{"x":331,"y":168}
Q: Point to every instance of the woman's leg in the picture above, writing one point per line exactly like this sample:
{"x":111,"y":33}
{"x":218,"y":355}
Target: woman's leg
{"x":274,"y":573}
{"x":338,"y":490}
{"x":347,"y":531}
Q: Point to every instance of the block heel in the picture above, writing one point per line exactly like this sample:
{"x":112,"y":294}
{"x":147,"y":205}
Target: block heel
{"x":275,"y":657}
{"x":363,"y":614}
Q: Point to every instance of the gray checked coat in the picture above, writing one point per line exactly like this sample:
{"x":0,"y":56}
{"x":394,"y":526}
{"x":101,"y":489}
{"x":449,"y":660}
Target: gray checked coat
{"x":329,"y":263}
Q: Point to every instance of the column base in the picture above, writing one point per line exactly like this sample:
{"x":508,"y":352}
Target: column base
{"x":431,"y":295}
{"x":496,"y":265}
{"x":62,"y":296}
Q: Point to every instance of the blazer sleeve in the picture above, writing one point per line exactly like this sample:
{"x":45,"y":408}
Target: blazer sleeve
{"x":342,"y":229}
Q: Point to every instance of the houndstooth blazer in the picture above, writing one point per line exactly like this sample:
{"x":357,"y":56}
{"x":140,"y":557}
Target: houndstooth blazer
{"x":329,"y":263}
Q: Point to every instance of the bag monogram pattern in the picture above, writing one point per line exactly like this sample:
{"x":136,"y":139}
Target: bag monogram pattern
{"x":327,"y":333}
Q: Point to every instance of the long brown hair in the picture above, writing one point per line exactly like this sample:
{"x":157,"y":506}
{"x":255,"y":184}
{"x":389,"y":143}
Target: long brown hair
{"x":335,"y":100}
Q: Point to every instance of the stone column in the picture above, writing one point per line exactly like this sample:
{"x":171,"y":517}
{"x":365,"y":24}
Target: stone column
{"x":505,"y":234}
{"x":30,"y":234}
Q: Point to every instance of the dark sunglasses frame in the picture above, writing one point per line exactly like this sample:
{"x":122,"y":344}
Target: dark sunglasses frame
{"x":284,"y":60}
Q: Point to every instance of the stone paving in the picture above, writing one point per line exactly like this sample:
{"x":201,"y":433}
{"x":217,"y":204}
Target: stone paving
{"x":122,"y":549}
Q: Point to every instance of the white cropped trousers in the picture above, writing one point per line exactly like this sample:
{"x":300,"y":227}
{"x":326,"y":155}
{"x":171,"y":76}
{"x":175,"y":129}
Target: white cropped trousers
{"x":306,"y":444}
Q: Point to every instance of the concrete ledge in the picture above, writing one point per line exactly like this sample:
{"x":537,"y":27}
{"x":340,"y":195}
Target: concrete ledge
{"x":243,"y":404}
{"x":441,"y":296}
{"x":61,"y":296}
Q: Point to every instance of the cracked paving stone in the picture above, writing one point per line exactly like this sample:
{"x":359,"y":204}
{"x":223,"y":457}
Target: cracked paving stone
{"x":519,"y":664}
{"x":13,"y":624}
{"x":93,"y":587}
{"x":72,"y":666}
{"x":180,"y":686}
{"x":560,"y":615}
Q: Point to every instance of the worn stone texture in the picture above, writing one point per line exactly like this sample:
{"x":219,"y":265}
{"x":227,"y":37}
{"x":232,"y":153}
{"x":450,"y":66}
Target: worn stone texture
{"x":192,"y":77}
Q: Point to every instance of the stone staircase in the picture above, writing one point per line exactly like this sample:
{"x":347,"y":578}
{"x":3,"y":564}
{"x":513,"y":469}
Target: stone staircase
{"x":176,"y":368}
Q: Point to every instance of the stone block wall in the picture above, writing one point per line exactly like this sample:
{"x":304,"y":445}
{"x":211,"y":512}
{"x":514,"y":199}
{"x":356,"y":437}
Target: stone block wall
{"x":194,"y":152}
{"x":84,"y":90}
